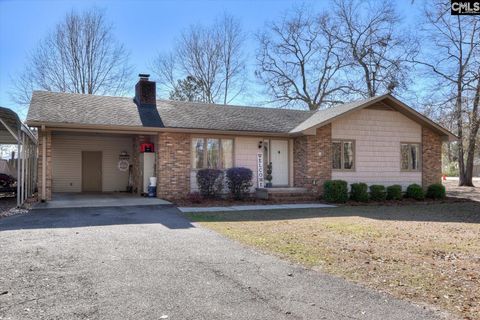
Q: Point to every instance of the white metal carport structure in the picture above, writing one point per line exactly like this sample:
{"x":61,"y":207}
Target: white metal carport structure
{"x":14,"y":132}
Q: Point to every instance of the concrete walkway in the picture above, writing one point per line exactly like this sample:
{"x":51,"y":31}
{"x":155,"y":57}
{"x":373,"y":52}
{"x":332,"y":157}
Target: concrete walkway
{"x":256,"y":207}
{"x":96,"y":200}
{"x":151,"y":263}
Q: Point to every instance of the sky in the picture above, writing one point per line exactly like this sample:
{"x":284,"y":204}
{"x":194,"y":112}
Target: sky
{"x":144,"y":27}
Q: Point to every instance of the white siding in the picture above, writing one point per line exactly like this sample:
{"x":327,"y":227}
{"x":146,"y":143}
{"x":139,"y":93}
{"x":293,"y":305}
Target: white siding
{"x":67,"y":160}
{"x":245,"y":155}
{"x":377,"y":135}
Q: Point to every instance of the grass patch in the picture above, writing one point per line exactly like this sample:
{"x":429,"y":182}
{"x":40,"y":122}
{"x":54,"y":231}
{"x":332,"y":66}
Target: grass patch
{"x":424,"y":253}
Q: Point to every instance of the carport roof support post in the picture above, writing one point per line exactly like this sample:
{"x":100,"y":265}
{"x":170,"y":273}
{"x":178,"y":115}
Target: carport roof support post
{"x":44,"y":164}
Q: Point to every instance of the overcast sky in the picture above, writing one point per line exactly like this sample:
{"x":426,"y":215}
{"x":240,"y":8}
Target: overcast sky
{"x":144,"y":27}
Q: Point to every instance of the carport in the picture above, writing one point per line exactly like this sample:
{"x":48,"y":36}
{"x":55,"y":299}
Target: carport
{"x":24,"y":142}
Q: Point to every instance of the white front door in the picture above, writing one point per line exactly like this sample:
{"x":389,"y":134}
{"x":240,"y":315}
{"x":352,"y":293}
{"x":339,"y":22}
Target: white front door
{"x":279,"y":158}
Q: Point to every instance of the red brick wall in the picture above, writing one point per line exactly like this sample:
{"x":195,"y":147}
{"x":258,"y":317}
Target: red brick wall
{"x":431,"y":158}
{"x":173,"y":165}
{"x":312,"y":159}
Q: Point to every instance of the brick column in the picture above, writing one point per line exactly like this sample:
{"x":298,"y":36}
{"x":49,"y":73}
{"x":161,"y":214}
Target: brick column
{"x":173,"y":165}
{"x":48,"y":182}
{"x":312,"y":159}
{"x":431,"y":158}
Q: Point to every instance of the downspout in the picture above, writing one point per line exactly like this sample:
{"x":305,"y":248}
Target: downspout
{"x":44,"y":164}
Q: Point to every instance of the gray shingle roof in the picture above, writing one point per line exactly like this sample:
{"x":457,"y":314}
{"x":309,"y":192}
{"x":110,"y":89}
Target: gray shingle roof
{"x":84,"y":109}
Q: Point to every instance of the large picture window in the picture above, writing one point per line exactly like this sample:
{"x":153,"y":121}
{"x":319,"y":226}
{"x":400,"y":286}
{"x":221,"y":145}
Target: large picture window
{"x":212,"y":153}
{"x":410,"y":156}
{"x":343,"y":155}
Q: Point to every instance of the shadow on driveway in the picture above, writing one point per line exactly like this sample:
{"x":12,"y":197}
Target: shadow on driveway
{"x":84,"y":217}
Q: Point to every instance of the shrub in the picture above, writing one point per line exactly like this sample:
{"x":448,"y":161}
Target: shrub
{"x":195,"y":197}
{"x":436,"y":191}
{"x":415,"y":191}
{"x":239,"y":182}
{"x":359,"y":192}
{"x":378,"y":192}
{"x":335,"y":191}
{"x":210,"y":182}
{"x":269,"y":177}
{"x":394,"y":192}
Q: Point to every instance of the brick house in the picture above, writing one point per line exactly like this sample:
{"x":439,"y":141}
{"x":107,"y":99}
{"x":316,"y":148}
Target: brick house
{"x":93,"y":143}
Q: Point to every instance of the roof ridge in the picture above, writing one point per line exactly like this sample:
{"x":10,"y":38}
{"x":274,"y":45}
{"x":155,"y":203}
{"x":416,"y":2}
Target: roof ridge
{"x":205,"y":104}
{"x":81,"y":94}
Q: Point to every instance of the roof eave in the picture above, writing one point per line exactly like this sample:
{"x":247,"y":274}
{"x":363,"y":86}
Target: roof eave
{"x":152,"y":130}
{"x":418,"y":117}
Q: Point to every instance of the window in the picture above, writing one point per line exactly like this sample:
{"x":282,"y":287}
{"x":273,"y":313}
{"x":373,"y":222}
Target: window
{"x":410,"y":156}
{"x":343,"y":155}
{"x":198,"y":153}
{"x":212,"y":153}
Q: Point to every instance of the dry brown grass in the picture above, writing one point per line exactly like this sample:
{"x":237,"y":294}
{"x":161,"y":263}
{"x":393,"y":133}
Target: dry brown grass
{"x":423,"y":253}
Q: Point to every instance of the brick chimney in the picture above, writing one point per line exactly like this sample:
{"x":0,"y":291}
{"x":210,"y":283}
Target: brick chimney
{"x":145,"y":91}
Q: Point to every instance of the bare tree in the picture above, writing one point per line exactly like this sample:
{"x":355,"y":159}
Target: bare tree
{"x":80,"y":55}
{"x":300,"y":60}
{"x":212,"y":55}
{"x":232,"y":38}
{"x":370,"y":31}
{"x":453,"y":61}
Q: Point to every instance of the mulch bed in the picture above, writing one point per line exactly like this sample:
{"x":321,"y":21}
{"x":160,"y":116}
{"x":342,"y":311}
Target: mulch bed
{"x":404,"y":202}
{"x":254,"y":201}
{"x":232,"y":202}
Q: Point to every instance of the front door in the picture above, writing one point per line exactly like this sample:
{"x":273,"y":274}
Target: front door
{"x":279,"y":158}
{"x":91,"y":171}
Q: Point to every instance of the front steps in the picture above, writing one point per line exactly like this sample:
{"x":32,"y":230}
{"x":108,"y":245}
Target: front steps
{"x":286,"y":194}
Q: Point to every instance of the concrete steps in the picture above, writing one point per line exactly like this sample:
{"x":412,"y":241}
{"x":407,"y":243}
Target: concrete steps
{"x":285,"y":194}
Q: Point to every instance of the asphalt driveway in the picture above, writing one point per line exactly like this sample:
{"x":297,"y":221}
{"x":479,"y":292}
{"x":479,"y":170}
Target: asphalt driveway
{"x":151,"y":263}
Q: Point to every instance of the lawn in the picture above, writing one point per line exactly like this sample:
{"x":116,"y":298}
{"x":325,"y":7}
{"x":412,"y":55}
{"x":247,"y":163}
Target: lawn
{"x":423,"y":253}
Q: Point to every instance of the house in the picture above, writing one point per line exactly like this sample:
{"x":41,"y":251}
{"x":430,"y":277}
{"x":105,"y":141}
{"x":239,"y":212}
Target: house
{"x":93,"y":143}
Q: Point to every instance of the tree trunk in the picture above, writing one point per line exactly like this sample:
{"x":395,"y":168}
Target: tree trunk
{"x":462,"y":179}
{"x":468,"y":177}
{"x":474,"y":127}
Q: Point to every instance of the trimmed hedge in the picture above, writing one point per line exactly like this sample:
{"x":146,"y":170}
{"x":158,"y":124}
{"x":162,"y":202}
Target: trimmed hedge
{"x":359,"y":192}
{"x":415,"y":191}
{"x":378,"y":192}
{"x":335,"y":191}
{"x":436,"y":191}
{"x":394,"y":192}
{"x":239,"y":182}
{"x":210,"y":182}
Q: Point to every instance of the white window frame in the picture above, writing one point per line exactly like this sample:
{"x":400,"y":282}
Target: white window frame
{"x":419,"y":166}
{"x":342,"y":155}
{"x":205,"y":152}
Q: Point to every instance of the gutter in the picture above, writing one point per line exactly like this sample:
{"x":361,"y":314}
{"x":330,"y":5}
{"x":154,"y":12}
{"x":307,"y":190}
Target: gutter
{"x":55,"y":126}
